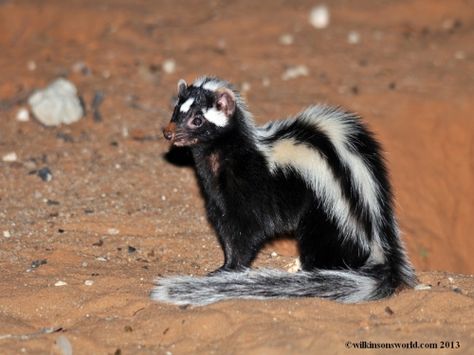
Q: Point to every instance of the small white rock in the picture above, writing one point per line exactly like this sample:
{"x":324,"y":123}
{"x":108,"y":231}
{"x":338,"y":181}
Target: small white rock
{"x":31,"y":65}
{"x":353,"y":37}
{"x":101,"y":258}
{"x":450,"y":279}
{"x":63,"y":345}
{"x":286,"y":39}
{"x":60,"y":283}
{"x":319,"y":16}
{"x":422,"y":287}
{"x":10,"y":157}
{"x":113,"y":231}
{"x":460,"y":55}
{"x":274,"y":254}
{"x":23,"y":115}
{"x":88,"y":282}
{"x":79,"y":67}
{"x":58,"y":103}
{"x":245,"y":87}
{"x":169,"y":66}
{"x":6,"y":234}
{"x":106,"y":74}
{"x":295,"y":266}
{"x":295,"y":72}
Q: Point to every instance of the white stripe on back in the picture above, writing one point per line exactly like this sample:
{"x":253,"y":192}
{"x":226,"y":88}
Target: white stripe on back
{"x":288,"y":154}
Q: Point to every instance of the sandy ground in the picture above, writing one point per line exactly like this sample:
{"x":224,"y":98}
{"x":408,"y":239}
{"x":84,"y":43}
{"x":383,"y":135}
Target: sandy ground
{"x":117,"y":214}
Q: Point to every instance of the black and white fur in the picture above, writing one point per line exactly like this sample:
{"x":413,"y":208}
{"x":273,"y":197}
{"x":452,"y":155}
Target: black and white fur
{"x":319,"y":175}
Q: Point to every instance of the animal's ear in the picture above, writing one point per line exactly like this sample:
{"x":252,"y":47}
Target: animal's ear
{"x":225,"y":101}
{"x":182,"y":86}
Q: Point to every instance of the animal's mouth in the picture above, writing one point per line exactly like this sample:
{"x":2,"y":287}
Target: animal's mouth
{"x":177,"y":137}
{"x":184,"y":142}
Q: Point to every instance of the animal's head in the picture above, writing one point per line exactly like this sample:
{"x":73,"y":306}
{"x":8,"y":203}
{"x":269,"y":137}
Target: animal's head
{"x":203,"y":112}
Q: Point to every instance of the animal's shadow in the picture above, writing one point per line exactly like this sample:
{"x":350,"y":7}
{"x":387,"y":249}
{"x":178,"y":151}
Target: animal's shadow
{"x":179,"y":156}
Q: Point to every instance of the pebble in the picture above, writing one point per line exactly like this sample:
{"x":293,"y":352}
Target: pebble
{"x":169,"y":66}
{"x":319,"y":16}
{"x":101,"y":258}
{"x":96,"y":102}
{"x":81,"y":68}
{"x":45,"y":174}
{"x":273,"y":254}
{"x":353,"y":37}
{"x":63,"y":345}
{"x":58,"y":103}
{"x":88,"y":282}
{"x":460,"y":55}
{"x":23,"y":115}
{"x":286,"y":39}
{"x":451,"y":24}
{"x":106,"y":74}
{"x":60,"y":283}
{"x":31,"y":65}
{"x":295,"y":72}
{"x":113,"y":231}
{"x":422,"y":287}
{"x":295,"y":266}
{"x":10,"y":157}
{"x":37,"y":263}
{"x":245,"y":87}
{"x":6,"y":234}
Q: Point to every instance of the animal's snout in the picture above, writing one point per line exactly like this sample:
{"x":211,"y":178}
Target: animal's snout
{"x":169,"y":131}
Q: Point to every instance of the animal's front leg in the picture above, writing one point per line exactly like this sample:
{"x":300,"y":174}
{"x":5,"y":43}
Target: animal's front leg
{"x":239,"y":249}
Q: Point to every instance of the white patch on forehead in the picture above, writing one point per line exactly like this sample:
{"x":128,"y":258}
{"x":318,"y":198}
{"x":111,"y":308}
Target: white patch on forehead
{"x":215,"y":116}
{"x":187,"y":105}
{"x":212,"y":85}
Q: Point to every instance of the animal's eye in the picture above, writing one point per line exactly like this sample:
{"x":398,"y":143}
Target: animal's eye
{"x":198,"y":121}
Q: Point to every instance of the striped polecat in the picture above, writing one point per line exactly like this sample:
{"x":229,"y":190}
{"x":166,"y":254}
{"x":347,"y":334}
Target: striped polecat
{"x":319,"y":176}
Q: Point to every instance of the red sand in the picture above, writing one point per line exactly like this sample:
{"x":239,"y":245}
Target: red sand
{"x":410,"y":77}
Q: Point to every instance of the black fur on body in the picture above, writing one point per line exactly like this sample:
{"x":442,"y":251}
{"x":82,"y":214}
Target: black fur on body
{"x":319,"y":176}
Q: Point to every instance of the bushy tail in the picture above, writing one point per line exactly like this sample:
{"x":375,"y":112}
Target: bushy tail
{"x":347,"y":286}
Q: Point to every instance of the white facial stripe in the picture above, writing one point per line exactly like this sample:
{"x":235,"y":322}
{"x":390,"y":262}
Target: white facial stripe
{"x":216,"y":117}
{"x":187,"y":105}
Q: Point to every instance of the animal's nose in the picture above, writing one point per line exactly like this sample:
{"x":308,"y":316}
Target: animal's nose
{"x":170,"y":131}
